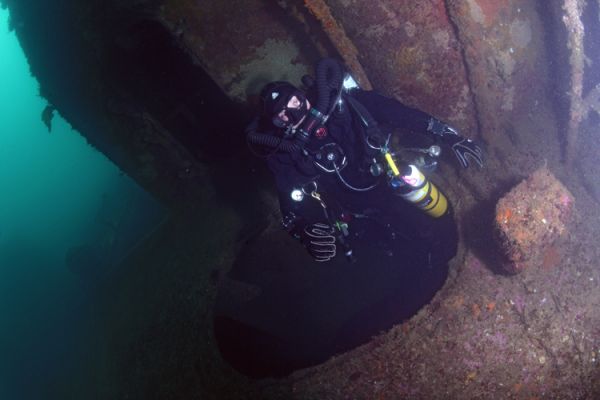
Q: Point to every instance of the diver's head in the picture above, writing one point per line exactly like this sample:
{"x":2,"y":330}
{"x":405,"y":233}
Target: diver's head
{"x":284,"y":104}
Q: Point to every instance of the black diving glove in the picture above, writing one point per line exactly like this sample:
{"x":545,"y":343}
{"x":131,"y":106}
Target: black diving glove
{"x":320,"y":242}
{"x":463,"y":148}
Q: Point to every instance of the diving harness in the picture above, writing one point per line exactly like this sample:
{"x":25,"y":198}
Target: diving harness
{"x":406,"y":179}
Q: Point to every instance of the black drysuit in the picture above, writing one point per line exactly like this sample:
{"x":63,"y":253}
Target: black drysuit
{"x":379,"y":212}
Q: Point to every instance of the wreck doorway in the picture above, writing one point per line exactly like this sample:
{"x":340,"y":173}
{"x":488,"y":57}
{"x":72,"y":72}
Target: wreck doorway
{"x":278,"y":311}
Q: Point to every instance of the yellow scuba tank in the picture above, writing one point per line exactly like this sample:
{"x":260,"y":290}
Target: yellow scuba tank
{"x":414,"y":187}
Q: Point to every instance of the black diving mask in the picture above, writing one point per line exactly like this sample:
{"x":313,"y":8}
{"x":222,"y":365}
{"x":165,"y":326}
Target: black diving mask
{"x":294,"y":114}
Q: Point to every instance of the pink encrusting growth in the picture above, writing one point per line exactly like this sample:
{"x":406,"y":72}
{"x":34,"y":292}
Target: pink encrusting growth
{"x":531,"y":217}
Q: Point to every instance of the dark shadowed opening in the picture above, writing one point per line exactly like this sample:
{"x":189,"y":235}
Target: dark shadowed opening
{"x":278,"y":311}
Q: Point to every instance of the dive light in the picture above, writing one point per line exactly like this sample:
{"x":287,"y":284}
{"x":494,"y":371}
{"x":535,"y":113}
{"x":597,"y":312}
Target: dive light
{"x":414,"y":187}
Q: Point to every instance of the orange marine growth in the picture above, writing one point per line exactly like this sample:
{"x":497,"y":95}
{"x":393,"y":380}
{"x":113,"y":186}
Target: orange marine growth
{"x":503,"y":216}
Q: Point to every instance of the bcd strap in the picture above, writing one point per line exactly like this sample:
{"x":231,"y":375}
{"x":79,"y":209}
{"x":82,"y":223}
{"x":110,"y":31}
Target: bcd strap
{"x":372,"y":132}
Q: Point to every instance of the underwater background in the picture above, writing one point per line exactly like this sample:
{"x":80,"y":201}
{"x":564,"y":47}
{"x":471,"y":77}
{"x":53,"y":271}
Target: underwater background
{"x":67,"y":216}
{"x":208,"y":296}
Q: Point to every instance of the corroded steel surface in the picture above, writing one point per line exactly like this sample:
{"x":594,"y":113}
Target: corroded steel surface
{"x":336,"y":33}
{"x":503,"y":50}
{"x":531,"y":217}
{"x":241,"y":44}
{"x":462,"y":61}
{"x":410,"y":51}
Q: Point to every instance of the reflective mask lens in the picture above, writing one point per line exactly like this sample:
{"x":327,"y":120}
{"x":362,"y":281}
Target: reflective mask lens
{"x":295,"y":115}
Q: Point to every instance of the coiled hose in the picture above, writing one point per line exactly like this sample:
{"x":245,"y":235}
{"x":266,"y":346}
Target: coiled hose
{"x":268,"y":140}
{"x":329,"y":83}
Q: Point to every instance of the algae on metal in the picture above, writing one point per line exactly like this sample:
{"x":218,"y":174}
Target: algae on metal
{"x":531,"y":218}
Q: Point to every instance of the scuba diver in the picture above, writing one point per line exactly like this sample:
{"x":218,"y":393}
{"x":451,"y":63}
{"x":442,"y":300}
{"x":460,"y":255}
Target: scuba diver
{"x":335,"y":168}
